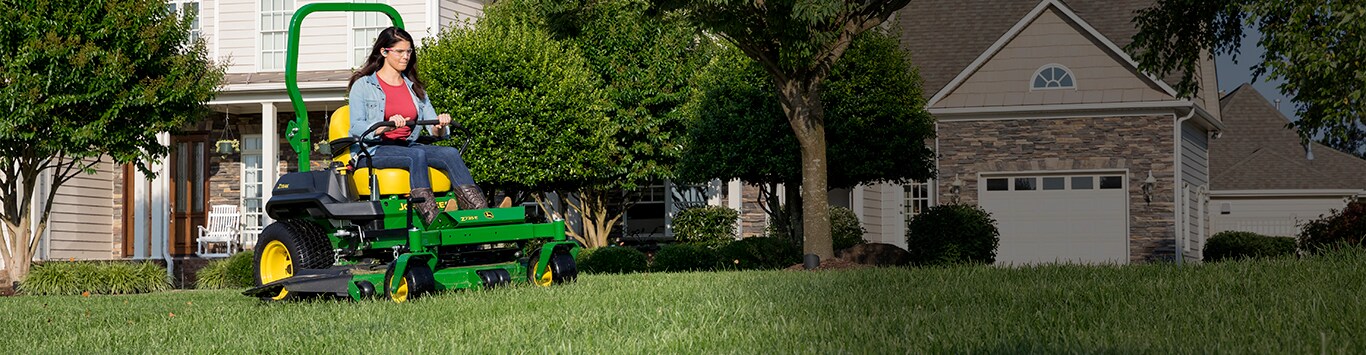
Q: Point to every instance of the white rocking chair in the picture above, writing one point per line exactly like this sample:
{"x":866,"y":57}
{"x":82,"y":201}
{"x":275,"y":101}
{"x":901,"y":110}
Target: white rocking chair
{"x":224,"y":225}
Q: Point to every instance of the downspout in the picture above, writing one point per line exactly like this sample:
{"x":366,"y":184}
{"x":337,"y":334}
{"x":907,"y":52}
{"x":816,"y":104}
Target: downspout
{"x":1176,"y":183}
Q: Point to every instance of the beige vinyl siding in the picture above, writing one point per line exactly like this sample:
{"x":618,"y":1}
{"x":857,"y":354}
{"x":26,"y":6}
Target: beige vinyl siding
{"x":1269,"y":216}
{"x":237,"y":39}
{"x":207,"y":27}
{"x":82,"y":219}
{"x":324,"y":42}
{"x":1005,"y":79}
{"x":872,"y":213}
{"x":414,"y":17}
{"x":1194,"y":174}
{"x":455,"y":12}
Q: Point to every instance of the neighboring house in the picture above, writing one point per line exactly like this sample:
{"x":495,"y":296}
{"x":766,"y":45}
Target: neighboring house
{"x":1266,"y":180}
{"x":1046,"y":122}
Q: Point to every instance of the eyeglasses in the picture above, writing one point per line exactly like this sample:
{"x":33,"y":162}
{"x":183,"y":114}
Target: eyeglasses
{"x":402,"y":52}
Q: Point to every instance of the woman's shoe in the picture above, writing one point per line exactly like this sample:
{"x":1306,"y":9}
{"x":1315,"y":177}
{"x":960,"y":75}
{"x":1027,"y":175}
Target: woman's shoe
{"x":471,"y":197}
{"x":427,"y":208}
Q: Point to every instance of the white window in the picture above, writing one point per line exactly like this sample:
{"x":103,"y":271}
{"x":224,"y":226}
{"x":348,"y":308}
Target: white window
{"x":252,"y":206}
{"x":917,"y":199}
{"x":1053,"y":76}
{"x":365,"y":27}
{"x":185,"y":7}
{"x":275,"y":16}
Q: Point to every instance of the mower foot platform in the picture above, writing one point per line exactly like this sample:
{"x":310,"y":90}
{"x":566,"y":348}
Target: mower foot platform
{"x":333,"y":281}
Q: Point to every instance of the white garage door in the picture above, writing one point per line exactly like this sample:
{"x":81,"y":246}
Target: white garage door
{"x":1061,"y":218}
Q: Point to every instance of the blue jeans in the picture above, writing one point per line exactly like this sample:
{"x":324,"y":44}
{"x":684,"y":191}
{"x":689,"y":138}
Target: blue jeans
{"x":416,"y":158}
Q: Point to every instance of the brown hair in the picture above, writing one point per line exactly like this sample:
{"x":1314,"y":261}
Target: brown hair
{"x":387,"y":38}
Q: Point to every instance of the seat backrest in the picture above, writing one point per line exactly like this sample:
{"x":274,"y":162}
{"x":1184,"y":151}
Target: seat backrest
{"x":224,"y":218}
{"x":339,"y":128}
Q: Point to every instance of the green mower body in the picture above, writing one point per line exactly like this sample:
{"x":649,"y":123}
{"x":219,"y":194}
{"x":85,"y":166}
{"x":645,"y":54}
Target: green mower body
{"x":329,"y":241}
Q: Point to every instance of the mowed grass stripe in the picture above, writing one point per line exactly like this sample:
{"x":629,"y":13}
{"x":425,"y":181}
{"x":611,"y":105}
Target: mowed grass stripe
{"x":1266,"y":306}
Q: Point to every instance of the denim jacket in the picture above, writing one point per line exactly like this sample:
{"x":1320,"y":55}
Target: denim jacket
{"x":367,"y":108}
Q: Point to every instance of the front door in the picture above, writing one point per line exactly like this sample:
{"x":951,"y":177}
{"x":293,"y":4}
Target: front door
{"x":189,"y":175}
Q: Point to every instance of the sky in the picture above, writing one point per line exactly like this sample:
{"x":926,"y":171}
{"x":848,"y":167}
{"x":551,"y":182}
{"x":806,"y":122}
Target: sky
{"x":1232,"y":74}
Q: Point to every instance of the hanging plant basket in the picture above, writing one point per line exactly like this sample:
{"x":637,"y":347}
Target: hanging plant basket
{"x":227,"y":146}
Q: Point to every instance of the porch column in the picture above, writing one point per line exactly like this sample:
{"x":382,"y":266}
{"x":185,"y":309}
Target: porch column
{"x":735,"y":198}
{"x":139,"y":216}
{"x":160,"y":211}
{"x":270,"y":155}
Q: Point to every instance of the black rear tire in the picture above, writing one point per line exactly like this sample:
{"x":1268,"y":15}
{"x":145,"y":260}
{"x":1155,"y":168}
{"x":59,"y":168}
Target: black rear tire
{"x":289,"y":245}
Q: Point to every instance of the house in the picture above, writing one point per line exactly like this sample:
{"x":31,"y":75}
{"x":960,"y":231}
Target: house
{"x":119,"y":213}
{"x":1264,"y":179}
{"x":1045,"y":121}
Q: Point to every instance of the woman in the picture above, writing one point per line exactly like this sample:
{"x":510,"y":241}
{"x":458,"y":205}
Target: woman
{"x":387,"y":88}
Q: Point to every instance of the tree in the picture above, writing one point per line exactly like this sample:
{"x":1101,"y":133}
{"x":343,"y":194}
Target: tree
{"x":81,"y":82}
{"x":875,"y":112}
{"x":1353,"y":142}
{"x":797,"y":42}
{"x":535,"y":114}
{"x":1315,"y":47}
{"x":643,"y":65}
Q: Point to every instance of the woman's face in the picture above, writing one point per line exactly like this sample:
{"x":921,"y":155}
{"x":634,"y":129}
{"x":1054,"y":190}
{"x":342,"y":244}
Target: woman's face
{"x":397,"y":56}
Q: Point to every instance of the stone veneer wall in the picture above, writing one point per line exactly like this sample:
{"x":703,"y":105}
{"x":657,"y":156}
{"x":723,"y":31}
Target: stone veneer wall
{"x":1135,"y":143}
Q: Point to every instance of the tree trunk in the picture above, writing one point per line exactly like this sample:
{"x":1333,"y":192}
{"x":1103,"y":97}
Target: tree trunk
{"x":597,"y":223}
{"x":18,"y":256}
{"x":801,"y":103}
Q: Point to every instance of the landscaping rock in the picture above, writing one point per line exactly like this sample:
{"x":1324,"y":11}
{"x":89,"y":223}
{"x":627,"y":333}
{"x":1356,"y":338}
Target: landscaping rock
{"x":876,"y":254}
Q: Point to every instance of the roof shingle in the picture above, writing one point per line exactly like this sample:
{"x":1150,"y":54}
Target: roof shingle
{"x":1258,"y":152}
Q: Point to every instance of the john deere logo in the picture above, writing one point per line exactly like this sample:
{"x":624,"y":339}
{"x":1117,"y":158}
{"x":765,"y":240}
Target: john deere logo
{"x":488,"y":214}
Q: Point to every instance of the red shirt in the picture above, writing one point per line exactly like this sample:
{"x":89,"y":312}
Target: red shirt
{"x":398,"y":101}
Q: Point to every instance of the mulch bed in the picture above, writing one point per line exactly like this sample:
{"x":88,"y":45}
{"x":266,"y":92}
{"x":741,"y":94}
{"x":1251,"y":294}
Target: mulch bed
{"x":831,"y":264}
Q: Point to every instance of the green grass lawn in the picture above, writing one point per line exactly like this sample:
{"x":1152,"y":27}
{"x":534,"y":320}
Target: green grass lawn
{"x":1269,"y":306}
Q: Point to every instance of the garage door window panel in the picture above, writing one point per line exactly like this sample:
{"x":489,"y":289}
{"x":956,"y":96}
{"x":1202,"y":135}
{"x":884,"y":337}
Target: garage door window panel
{"x":1111,"y":182}
{"x":1054,"y":183}
{"x":998,"y":184}
{"x":1026,"y":184}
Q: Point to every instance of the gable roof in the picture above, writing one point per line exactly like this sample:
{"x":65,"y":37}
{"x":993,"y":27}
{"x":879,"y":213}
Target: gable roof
{"x":1258,"y":152}
{"x":946,"y":36}
{"x":1076,"y":22}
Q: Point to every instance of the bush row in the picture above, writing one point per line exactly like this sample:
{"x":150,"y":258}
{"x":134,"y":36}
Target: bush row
{"x":746,"y":254}
{"x":1237,"y":245}
{"x":95,"y":277}
{"x":235,"y":271}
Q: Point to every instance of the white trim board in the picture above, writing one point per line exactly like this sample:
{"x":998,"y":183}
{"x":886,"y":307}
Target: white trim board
{"x":1020,"y":26}
{"x":1289,"y":193}
{"x":991,"y":113}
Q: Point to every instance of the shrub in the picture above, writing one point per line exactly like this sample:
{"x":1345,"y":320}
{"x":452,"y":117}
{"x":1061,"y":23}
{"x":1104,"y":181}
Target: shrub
{"x":685,"y":257}
{"x":707,"y":225}
{"x":1234,"y":245}
{"x":96,"y":277}
{"x":759,"y":253}
{"x":233,"y":272}
{"x":614,"y":260}
{"x":845,"y":229}
{"x":952,"y":234}
{"x":1335,"y":230}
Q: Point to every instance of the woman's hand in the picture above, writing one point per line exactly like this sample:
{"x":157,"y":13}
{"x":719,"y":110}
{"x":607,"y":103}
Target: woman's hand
{"x":442,"y":120}
{"x":399,"y":121}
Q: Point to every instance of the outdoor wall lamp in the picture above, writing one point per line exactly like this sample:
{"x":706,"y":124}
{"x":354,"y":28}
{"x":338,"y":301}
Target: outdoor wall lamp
{"x":1148,"y":188}
{"x":955,"y":188}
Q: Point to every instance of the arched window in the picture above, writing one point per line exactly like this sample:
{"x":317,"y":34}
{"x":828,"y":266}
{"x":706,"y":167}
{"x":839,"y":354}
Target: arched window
{"x":1053,"y":76}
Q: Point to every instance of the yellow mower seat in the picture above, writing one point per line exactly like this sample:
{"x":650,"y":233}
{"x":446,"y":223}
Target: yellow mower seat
{"x":392,"y":181}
